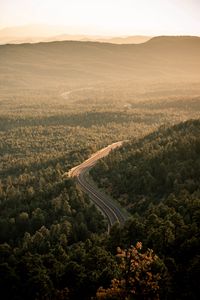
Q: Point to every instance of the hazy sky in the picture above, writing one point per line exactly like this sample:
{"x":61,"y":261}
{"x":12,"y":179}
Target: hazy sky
{"x":121,"y":17}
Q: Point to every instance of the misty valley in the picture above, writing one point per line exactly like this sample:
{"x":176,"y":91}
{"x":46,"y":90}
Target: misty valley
{"x":62,"y":102}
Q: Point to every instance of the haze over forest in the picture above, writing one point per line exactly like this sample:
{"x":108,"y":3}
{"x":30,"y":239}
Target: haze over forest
{"x":99,"y":150}
{"x":169,"y":59}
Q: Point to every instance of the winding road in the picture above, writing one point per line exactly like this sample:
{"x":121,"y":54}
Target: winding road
{"x":112,"y":211}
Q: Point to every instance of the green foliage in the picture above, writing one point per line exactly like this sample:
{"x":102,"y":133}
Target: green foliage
{"x":158,"y":179}
{"x":137,"y":279}
{"x":48,"y":249}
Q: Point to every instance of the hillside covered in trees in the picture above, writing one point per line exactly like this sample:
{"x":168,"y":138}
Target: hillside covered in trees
{"x":61,"y":102}
{"x":54,"y":243}
{"x":158,"y":178}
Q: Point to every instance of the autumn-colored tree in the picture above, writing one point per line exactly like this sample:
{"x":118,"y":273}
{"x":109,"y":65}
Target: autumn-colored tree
{"x":137,"y":280}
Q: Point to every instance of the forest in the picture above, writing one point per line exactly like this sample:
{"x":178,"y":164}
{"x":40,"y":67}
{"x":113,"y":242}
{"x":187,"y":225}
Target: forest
{"x":55,"y":112}
{"x":54,"y":242}
{"x":157,"y":180}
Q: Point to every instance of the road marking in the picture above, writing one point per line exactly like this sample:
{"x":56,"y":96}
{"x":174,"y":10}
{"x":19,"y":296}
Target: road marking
{"x":112,"y":212}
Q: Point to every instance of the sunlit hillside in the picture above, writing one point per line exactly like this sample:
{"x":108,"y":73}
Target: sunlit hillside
{"x":170,"y":59}
{"x":62,"y":102}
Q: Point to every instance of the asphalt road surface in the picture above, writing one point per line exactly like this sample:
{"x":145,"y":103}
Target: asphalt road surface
{"x":107,"y":206}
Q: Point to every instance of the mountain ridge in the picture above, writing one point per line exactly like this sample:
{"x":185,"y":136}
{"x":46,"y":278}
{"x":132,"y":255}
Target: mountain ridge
{"x":42,"y":33}
{"x":162,"y":58}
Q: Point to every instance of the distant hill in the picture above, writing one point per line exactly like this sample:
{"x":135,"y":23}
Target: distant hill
{"x":45,"y":33}
{"x":11,"y":39}
{"x":28,"y":33}
{"x":137,"y":39}
{"x":57,"y":63}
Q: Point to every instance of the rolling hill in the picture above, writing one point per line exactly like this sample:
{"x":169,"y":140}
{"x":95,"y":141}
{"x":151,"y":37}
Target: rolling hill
{"x":164,"y":162}
{"x":168,"y":59}
{"x":157,"y":178}
{"x":44,"y":33}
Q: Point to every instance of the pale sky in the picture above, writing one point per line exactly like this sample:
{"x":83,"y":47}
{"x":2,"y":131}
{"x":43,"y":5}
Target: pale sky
{"x":107,"y":17}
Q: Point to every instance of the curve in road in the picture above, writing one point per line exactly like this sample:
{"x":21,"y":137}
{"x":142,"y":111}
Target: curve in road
{"x":112,"y":211}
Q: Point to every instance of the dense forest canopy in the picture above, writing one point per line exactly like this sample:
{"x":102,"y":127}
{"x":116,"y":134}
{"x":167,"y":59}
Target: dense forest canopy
{"x":55,"y":113}
{"x":157,"y":178}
